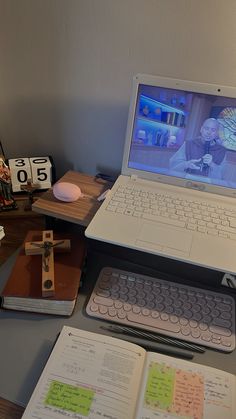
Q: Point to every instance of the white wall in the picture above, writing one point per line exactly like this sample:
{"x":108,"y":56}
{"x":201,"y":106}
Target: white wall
{"x":66,"y":68}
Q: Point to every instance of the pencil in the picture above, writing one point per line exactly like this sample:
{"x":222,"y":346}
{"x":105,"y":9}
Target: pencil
{"x":158,"y":347}
{"x":153,"y":337}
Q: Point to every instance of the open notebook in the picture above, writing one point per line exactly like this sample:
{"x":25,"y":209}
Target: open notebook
{"x":176,"y":194}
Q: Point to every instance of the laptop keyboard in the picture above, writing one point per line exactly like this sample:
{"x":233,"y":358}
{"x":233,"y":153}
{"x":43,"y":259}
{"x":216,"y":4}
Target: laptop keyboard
{"x":192,"y":314}
{"x":193,"y":215}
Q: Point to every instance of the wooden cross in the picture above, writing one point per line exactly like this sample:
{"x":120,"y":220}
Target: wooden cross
{"x":46,"y":249}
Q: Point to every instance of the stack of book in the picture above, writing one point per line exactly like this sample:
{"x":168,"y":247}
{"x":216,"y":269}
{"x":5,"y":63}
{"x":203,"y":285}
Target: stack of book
{"x":23,"y":289}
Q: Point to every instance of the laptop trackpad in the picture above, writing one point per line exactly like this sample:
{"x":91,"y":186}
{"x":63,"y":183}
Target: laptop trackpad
{"x":161,"y":237}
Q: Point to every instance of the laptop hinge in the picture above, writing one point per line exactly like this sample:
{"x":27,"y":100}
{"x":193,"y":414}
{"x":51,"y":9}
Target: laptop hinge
{"x":134,"y":177}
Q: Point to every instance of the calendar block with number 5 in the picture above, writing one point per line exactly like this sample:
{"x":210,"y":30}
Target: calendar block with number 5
{"x":38,"y":169}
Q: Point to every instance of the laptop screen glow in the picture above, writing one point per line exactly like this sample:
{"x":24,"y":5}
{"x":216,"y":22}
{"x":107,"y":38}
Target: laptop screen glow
{"x":184,"y":134}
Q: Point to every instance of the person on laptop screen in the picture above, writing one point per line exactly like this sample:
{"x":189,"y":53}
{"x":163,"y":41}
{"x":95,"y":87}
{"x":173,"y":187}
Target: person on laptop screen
{"x":203,"y":155}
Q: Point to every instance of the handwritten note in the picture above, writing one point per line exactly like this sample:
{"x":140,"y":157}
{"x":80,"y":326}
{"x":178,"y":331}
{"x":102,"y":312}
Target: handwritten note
{"x":217,"y":391}
{"x":189,"y":394}
{"x":70,"y":398}
{"x":160,"y":386}
{"x":174,"y":391}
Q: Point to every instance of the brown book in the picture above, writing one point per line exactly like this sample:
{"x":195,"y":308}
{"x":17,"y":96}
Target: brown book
{"x":23,"y":289}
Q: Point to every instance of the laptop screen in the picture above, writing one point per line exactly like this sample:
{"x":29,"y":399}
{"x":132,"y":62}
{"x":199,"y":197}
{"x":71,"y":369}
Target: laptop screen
{"x":184,"y":133}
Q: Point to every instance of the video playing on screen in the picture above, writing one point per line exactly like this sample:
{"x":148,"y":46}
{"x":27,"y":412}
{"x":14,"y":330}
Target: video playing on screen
{"x":185,"y":134}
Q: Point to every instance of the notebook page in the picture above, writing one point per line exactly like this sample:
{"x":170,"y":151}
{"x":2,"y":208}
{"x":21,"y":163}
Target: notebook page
{"x":88,"y":376}
{"x":180,"y":389}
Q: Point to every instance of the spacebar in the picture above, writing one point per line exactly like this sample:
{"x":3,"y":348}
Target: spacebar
{"x":164,"y":220}
{"x":156,"y":323}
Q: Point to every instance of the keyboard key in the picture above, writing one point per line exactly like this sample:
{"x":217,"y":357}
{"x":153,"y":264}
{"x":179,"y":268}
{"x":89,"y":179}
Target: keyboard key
{"x":153,"y":323}
{"x":225,"y":341}
{"x":94,"y":307}
{"x":186,"y":330}
{"x":103,"y":309}
{"x":104,"y":301}
{"x":220,"y":330}
{"x":193,"y":323}
{"x":118,"y":304}
{"x":221,"y":322}
{"x":121,"y":314}
{"x":164,"y":220}
{"x":112,"y":311}
{"x":206,"y":336}
{"x":195,"y":333}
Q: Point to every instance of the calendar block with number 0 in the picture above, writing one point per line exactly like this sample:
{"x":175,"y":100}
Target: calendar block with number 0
{"x":38,"y":169}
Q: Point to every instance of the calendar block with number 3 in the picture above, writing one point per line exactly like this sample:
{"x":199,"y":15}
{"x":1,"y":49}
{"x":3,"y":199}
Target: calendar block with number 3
{"x":38,"y":169}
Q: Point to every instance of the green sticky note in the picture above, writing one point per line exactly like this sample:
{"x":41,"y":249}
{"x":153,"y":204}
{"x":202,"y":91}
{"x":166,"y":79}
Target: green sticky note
{"x":71,"y":398}
{"x":160,"y":386}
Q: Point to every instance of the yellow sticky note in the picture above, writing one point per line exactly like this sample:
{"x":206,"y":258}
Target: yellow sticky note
{"x":160,"y":387}
{"x":70,"y":398}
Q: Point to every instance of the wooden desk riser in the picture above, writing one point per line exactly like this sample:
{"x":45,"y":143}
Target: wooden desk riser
{"x":79,"y":212}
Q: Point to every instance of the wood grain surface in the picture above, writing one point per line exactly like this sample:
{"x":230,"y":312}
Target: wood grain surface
{"x":79,"y":212}
{"x":10,"y":410}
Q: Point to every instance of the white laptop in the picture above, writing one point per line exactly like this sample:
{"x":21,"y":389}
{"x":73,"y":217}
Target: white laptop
{"x":176,"y":195}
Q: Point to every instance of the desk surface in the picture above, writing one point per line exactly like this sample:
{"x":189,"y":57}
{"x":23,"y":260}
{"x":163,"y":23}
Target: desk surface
{"x":40,"y":331}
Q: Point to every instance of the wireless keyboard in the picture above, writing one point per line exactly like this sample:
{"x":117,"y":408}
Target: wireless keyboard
{"x":183,"y":312}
